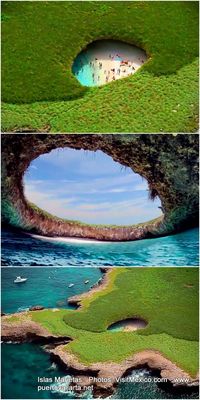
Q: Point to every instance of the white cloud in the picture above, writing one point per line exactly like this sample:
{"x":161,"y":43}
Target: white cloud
{"x":109,"y":184}
{"x":95,"y":191}
{"x":84,"y":162}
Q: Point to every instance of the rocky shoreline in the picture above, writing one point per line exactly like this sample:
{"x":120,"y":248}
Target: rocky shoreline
{"x":101,"y":284}
{"x":102,"y":376}
{"x":105,"y":376}
{"x":25,"y":330}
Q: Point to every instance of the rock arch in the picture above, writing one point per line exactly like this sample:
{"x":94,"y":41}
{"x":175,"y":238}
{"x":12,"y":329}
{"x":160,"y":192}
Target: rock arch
{"x":169,"y":163}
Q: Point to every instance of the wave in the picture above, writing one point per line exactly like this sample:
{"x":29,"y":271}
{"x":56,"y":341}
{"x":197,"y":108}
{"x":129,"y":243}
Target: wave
{"x":65,"y":239}
{"x":21,"y":309}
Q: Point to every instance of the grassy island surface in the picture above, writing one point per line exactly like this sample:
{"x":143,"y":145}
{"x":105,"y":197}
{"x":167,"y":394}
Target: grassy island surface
{"x":40,"y":41}
{"x":166,"y":298}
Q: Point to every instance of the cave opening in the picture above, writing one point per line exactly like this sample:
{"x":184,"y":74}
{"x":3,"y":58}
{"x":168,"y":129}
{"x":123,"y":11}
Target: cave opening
{"x":105,"y":61}
{"x":88,"y":186}
{"x":128,"y":325}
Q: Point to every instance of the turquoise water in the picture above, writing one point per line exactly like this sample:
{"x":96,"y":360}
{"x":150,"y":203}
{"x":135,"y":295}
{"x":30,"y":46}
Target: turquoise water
{"x":176,"y":250}
{"x":82,"y":70}
{"x":45,"y":286}
{"x":23,"y":363}
{"x":102,"y":62}
{"x":121,"y":325}
{"x":21,"y":383}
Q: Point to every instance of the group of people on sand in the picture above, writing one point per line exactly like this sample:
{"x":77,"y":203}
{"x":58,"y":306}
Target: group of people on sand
{"x":124,"y":68}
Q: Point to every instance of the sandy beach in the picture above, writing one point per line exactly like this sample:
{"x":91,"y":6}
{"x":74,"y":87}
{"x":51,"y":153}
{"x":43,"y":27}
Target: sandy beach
{"x":107,"y":61}
{"x":65,"y":240}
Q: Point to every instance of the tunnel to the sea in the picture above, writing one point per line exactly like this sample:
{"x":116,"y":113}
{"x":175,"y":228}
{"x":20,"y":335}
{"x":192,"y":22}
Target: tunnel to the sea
{"x":168,"y":162}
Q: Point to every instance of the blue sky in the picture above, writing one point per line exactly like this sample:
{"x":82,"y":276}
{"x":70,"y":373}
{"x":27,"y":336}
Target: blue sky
{"x":88,"y":186}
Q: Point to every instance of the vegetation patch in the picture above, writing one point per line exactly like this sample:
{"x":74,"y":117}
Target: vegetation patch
{"x":41,"y":40}
{"x":156,"y":295}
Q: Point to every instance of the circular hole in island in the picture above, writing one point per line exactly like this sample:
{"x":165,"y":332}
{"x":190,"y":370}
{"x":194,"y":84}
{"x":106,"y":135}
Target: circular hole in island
{"x":105,"y":61}
{"x":128,"y":325}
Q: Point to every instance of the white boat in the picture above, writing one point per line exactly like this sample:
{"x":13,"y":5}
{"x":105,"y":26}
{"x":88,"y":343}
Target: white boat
{"x":20,"y":280}
{"x":71,"y":284}
{"x":87,"y":281}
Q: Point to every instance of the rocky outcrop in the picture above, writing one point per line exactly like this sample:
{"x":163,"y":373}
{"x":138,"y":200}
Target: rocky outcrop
{"x":25,"y":330}
{"x":168,"y":163}
{"x":98,"y":287}
{"x":105,"y":376}
{"x":36,"y":308}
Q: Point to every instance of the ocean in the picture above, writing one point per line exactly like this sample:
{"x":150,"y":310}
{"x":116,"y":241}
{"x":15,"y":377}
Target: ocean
{"x":19,"y":249}
{"x":21,"y":382}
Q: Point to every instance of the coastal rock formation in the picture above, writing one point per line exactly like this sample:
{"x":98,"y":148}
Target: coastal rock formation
{"x":168,"y":163}
{"x":102,"y":284}
{"x":36,"y":308}
{"x":103,"y":376}
{"x":26,"y":330}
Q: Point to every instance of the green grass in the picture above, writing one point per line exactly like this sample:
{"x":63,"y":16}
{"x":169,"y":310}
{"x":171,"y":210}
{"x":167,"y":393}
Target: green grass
{"x":167,"y":298}
{"x":117,"y":347}
{"x":158,"y":296}
{"x":40,"y":40}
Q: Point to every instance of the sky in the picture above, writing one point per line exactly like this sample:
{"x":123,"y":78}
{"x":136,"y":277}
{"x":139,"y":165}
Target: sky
{"x":90,"y":187}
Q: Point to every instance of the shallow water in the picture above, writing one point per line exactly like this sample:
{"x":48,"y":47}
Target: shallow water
{"x":130,"y":324}
{"x":22,"y":383}
{"x":176,"y":250}
{"x":53,"y":284}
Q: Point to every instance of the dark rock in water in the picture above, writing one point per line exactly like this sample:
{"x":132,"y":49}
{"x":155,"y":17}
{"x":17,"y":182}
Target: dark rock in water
{"x":2,"y":314}
{"x":74,"y":301}
{"x":36,"y":308}
{"x":103,"y":269}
